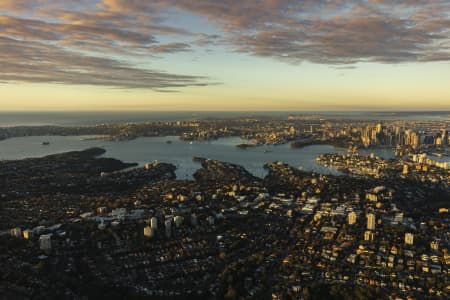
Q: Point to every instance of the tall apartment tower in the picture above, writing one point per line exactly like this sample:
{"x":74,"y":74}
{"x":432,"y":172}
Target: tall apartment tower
{"x":409,"y":238}
{"x":370,"y":221}
{"x":351,"y":218}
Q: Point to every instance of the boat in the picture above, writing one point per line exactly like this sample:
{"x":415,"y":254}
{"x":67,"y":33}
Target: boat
{"x":169,"y":142}
{"x":46,"y":143}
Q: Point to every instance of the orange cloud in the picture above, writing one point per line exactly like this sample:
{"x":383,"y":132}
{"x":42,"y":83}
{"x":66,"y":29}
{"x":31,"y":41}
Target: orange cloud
{"x":56,"y":37}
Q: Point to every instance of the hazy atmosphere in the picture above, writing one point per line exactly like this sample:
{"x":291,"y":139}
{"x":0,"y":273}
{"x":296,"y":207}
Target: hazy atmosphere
{"x":224,"y":149}
{"x":224,"y":55}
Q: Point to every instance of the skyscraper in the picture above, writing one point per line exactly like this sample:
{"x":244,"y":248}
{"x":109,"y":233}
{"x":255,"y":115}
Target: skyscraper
{"x":149,"y":231}
{"x":370,"y":221}
{"x":409,"y":238}
{"x":369,"y":236}
{"x":352,"y":218}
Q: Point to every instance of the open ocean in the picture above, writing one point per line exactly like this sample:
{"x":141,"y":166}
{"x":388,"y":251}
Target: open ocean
{"x":8,"y":119}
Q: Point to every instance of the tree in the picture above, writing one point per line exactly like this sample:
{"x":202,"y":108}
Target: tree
{"x":231,"y":292}
{"x":305,"y":293}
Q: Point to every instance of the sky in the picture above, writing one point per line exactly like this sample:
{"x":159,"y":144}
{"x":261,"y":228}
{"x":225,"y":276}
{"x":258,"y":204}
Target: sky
{"x":224,"y":55}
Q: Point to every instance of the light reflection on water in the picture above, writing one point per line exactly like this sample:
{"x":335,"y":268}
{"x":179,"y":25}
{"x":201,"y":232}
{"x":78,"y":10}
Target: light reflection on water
{"x":180,"y":153}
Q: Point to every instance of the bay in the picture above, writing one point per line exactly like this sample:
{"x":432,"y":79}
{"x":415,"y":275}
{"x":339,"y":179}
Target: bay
{"x":180,"y":153}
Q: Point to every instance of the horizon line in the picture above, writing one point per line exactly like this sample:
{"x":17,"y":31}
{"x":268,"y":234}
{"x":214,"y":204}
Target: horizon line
{"x":318,"y":110}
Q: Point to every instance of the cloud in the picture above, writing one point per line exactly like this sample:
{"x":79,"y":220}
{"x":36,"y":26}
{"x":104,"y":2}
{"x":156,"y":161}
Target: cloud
{"x":17,"y":5}
{"x":94,"y":47}
{"x":38,"y":63}
{"x":332,"y":32}
{"x":170,"y":48}
{"x":54,"y":41}
{"x":40,"y":30}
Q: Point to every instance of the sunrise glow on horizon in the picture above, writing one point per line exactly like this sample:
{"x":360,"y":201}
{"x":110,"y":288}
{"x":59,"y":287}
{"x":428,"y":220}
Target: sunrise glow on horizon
{"x":224,"y":55}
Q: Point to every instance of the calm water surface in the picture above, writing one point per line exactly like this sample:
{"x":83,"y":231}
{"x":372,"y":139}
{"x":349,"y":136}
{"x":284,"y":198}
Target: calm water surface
{"x":180,"y":153}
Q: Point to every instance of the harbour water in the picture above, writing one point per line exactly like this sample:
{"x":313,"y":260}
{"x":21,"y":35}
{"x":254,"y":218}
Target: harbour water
{"x":178,"y":152}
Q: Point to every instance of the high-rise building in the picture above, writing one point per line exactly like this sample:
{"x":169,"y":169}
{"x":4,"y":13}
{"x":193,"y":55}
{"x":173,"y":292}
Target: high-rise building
{"x":16,"y":232}
{"x":292,"y":131}
{"x":398,"y":217}
{"x":352,"y":218}
{"x":27,"y":234}
{"x":405,"y":169}
{"x":409,"y":238}
{"x":178,"y":220}
{"x":415,"y":140}
{"x":168,"y":225}
{"x":444,"y":136}
{"x":369,"y":236}
{"x":379,"y":127}
{"x":149,"y":232}
{"x":434,"y":245}
{"x":45,"y":242}
{"x":154,"y":223}
{"x":371,"y":221}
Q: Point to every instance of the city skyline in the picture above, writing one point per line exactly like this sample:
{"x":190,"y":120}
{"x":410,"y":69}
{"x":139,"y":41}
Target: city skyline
{"x":228,"y":55}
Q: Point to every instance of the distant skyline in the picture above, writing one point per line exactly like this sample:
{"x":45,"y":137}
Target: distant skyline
{"x":224,"y":55}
